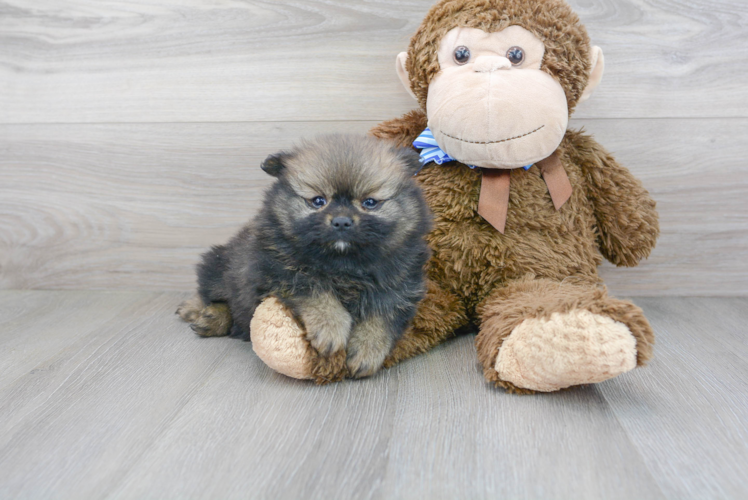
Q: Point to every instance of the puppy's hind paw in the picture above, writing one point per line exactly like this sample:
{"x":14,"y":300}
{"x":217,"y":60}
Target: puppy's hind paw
{"x":211,"y":321}
{"x":189,"y":310}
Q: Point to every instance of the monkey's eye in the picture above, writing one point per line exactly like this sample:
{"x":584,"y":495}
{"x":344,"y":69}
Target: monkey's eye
{"x":462,"y":55}
{"x":370,"y":203}
{"x":319,"y":202}
{"x":515,"y":55}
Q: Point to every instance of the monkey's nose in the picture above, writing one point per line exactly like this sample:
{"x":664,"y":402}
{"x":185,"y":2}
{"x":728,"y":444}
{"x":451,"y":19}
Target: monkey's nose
{"x":342,"y":223}
{"x":487,"y":64}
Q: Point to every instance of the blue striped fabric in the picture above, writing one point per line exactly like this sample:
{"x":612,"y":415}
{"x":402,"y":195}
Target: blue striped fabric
{"x":430,"y":150}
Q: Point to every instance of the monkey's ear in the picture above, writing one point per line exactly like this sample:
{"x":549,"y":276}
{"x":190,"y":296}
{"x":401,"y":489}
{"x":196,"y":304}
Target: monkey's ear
{"x":275,"y":164}
{"x":411,"y":160}
{"x":596,"y":73}
{"x":402,"y":73}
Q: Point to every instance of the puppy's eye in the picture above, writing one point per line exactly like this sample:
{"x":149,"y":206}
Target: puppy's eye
{"x":515,"y":55}
{"x":319,"y":202}
{"x":462,"y":55}
{"x":370,"y":203}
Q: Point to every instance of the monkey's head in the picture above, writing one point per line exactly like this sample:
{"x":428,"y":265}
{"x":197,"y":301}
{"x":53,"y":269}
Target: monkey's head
{"x":499,"y":79}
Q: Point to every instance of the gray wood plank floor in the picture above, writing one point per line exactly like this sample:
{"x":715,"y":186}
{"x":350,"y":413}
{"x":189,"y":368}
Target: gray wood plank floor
{"x":108,"y":395}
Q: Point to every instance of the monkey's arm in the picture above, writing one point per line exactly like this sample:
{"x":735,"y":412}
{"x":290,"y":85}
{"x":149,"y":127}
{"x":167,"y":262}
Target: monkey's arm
{"x":403,"y":130}
{"x":625,"y":212}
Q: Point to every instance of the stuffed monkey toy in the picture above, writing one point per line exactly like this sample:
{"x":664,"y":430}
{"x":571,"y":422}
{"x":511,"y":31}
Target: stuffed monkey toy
{"x":524,"y":209}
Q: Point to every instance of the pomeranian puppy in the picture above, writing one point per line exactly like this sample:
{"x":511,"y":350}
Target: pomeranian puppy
{"x":339,"y":240}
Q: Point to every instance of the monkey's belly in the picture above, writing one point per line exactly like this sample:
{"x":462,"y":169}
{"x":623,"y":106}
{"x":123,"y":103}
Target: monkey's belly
{"x":471,"y":258}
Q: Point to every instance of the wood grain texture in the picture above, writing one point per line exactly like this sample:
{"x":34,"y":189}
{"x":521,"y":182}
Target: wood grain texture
{"x":458,"y":437}
{"x":430,"y":428}
{"x":53,"y":323}
{"x":118,"y":205}
{"x":130,"y":139}
{"x":133,"y":206}
{"x":332,"y":442}
{"x":169,"y":61}
{"x":138,"y":406}
{"x":688,"y":411}
{"x":75,"y":423}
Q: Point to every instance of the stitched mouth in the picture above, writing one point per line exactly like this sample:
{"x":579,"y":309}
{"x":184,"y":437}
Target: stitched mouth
{"x":492,"y":142}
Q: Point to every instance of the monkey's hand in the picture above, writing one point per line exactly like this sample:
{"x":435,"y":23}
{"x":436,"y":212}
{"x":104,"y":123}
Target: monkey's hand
{"x":625,"y":212}
{"x":403,"y":130}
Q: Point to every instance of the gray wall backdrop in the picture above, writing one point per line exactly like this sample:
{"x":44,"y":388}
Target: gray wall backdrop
{"x":131,"y":132}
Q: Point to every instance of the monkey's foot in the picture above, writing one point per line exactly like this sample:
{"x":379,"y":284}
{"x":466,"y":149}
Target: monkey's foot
{"x":570,"y":348}
{"x":211,"y":321}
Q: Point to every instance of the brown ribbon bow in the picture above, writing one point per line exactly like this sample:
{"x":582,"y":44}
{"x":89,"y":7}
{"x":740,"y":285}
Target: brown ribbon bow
{"x":494,"y":190}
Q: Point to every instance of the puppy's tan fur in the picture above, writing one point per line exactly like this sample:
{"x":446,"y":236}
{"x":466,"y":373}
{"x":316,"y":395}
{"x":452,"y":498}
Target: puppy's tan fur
{"x":327,"y":323}
{"x":369,"y":344}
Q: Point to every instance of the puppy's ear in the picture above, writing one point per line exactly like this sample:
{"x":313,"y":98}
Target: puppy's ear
{"x":410,"y":159}
{"x":275,"y":164}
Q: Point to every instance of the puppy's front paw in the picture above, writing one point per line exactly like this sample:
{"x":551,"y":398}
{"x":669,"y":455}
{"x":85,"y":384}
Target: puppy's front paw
{"x":365,"y":361}
{"x":327,"y":323}
{"x":328,"y":340}
{"x":369,"y":346}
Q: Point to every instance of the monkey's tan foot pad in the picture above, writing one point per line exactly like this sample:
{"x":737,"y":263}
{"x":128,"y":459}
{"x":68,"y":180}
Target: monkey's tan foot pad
{"x":573,"y":348}
{"x":279,"y":341}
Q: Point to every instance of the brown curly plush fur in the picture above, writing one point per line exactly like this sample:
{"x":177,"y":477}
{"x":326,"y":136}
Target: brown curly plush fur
{"x":539,"y":298}
{"x":545,"y":262}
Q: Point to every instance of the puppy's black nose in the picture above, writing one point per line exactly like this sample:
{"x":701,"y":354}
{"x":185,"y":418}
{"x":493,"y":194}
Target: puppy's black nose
{"x":342,"y":223}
